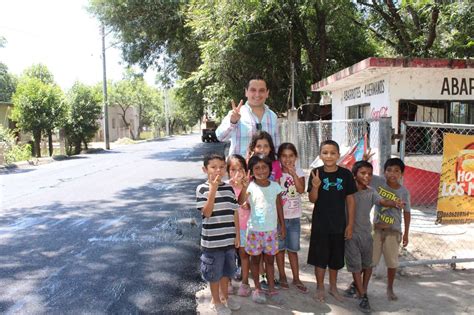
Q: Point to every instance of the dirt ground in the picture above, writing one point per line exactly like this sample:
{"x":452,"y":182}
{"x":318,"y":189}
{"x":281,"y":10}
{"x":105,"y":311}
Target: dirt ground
{"x":433,"y":289}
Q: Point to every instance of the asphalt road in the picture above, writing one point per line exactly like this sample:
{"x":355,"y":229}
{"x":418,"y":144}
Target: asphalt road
{"x":112,"y":232}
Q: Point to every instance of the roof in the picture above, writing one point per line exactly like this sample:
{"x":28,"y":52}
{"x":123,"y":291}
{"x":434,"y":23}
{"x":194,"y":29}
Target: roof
{"x":373,"y":67}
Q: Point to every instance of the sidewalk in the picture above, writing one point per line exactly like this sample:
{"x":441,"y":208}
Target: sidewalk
{"x":421,"y":290}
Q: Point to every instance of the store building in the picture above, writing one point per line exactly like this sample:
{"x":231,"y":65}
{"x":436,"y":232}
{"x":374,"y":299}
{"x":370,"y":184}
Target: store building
{"x":431,"y":90}
{"x":405,"y":89}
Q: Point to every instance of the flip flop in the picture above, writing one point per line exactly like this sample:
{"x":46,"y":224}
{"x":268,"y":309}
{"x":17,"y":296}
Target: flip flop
{"x":284,"y":285}
{"x":301,"y":287}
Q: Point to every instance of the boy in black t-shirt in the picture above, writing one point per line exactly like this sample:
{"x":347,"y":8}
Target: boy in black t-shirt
{"x":331,"y":188}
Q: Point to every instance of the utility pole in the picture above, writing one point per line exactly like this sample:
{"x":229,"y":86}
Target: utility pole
{"x":104,"y":87}
{"x":166,"y":105}
{"x":292,"y":86}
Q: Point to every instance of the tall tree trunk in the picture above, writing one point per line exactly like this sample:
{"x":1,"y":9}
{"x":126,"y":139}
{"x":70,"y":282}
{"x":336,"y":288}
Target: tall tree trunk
{"x":50,"y":142}
{"x":37,"y":144}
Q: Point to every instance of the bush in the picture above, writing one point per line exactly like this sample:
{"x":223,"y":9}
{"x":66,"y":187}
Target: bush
{"x":13,"y":152}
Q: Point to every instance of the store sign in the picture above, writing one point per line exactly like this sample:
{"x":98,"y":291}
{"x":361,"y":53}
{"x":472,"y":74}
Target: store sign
{"x":455,"y":86}
{"x":370,"y":89}
{"x":456,"y":185}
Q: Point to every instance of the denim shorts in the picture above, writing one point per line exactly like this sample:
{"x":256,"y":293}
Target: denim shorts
{"x":217,"y":264}
{"x":291,"y":242}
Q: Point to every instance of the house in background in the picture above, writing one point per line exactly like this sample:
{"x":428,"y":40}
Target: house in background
{"x":5,"y":111}
{"x":117,"y":127}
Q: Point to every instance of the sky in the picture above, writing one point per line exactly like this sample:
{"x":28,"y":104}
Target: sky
{"x":60,"y":34}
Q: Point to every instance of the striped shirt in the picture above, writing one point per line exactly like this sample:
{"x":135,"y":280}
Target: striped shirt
{"x":240,"y":134}
{"x":218,"y":231}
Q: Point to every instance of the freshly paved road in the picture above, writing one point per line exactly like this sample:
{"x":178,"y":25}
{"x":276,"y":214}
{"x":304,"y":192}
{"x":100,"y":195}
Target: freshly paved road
{"x":113,"y":232}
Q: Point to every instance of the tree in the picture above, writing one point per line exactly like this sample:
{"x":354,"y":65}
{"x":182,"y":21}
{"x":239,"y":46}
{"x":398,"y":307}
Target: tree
{"x":84,"y":104}
{"x":7,"y":84}
{"x":38,"y":107}
{"x":420,"y":28}
{"x":216,"y":45}
{"x":40,"y":72}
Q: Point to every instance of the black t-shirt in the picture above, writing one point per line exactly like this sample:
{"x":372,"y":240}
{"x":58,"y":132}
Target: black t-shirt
{"x":329,"y":213}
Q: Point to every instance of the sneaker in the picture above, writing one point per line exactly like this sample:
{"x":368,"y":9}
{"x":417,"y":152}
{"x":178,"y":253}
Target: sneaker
{"x":277,"y":285}
{"x":232,"y":304}
{"x":220,"y":309}
{"x":244,"y":290}
{"x":259,"y":297}
{"x":364,"y":304}
{"x":351,"y":291}
{"x":230,"y":289}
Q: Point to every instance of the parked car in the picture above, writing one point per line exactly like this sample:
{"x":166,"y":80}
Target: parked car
{"x":208,"y":129}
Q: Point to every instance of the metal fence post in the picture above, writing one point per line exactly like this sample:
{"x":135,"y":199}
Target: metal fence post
{"x":403,"y":131}
{"x":385,"y":141}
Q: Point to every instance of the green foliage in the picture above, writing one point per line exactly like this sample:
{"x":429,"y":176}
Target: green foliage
{"x":40,"y":72}
{"x":420,"y":28}
{"x":38,"y":108}
{"x":85,"y":109}
{"x":36,"y":105}
{"x":8,"y":84}
{"x":13,"y":152}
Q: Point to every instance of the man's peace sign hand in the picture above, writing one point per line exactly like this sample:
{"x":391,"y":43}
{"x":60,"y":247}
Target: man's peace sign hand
{"x":235,"y":113}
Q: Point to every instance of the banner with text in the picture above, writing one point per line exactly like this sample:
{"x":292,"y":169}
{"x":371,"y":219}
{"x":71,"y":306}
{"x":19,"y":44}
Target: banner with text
{"x":456,"y":185}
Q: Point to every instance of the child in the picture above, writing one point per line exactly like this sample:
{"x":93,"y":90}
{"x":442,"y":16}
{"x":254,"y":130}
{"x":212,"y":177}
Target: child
{"x":292,"y":182}
{"x":265,"y":212}
{"x":262,"y":143}
{"x":332,"y":189}
{"x":358,"y":250}
{"x":217,"y":202}
{"x":388,"y":220}
{"x":237,"y":170}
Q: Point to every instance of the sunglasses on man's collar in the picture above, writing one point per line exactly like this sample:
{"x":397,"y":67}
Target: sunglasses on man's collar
{"x":258,"y":126}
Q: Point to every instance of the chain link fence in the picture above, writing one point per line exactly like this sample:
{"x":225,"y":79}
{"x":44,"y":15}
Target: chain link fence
{"x":307,"y":136}
{"x":421,"y":148}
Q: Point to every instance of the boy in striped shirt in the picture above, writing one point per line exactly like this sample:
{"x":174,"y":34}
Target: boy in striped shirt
{"x":220,"y":233}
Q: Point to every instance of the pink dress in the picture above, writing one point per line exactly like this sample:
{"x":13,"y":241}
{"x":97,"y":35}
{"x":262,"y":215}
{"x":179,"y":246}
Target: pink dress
{"x":244,"y":214}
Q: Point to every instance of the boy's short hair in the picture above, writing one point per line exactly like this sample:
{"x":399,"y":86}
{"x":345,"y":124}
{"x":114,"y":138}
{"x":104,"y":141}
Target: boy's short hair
{"x":256,"y":77}
{"x":257,"y":158}
{"x":213,"y":156}
{"x":329,"y":142}
{"x":394,"y":162}
{"x":360,"y":164}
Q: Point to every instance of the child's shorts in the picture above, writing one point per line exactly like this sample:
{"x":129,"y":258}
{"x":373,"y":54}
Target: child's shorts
{"x":386,"y":242}
{"x":243,"y":238}
{"x":358,"y":252}
{"x":217,"y":264}
{"x":326,"y":250}
{"x":262,"y":242}
{"x":291,"y":242}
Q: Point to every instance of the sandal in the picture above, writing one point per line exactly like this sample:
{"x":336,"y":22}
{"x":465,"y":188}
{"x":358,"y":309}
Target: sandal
{"x":301,"y":287}
{"x":284,"y":285}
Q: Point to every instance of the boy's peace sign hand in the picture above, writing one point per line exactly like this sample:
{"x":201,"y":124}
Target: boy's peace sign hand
{"x":235,"y":113}
{"x":315,"y":181}
{"x":214,"y":183}
{"x":367,"y":155}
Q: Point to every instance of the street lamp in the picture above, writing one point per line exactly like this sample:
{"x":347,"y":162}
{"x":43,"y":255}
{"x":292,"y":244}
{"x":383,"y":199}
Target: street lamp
{"x":104,"y":87}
